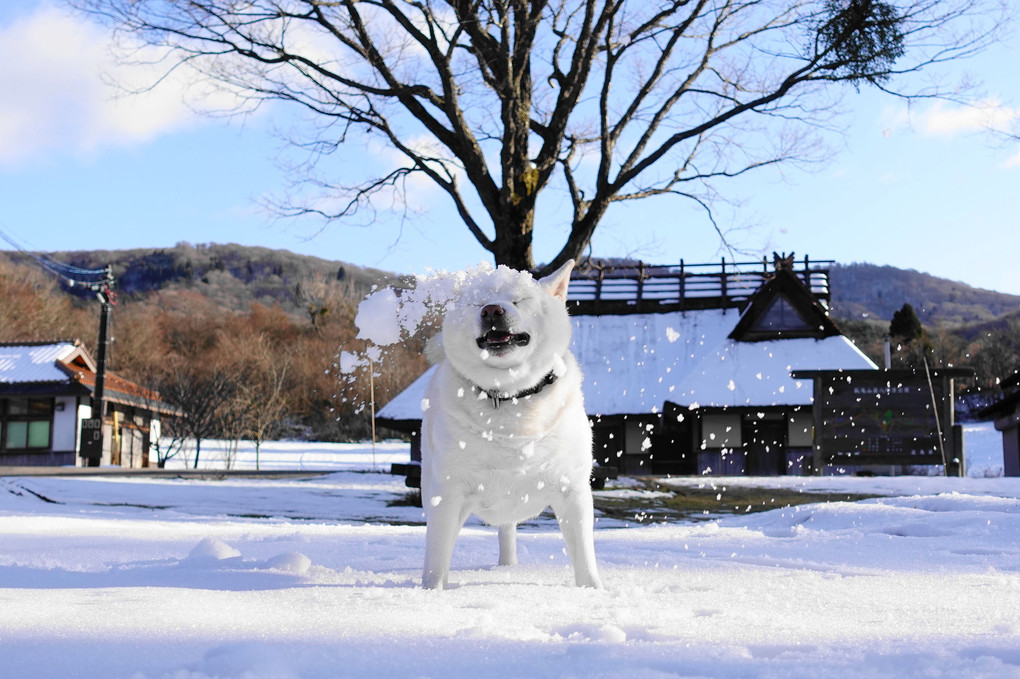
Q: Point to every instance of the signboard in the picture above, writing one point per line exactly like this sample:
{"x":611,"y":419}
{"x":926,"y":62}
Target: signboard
{"x":92,"y":438}
{"x":885,"y":417}
{"x":874,"y":416}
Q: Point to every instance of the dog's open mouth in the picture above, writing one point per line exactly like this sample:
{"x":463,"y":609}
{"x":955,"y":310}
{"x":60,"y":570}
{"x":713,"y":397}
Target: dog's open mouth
{"x":501,"y":340}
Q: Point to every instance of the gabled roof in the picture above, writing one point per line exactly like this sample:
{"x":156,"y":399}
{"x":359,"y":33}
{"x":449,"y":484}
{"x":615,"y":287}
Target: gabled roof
{"x":783,"y":307}
{"x":66,"y":367}
{"x":113,"y":383}
{"x":35,"y":362}
{"x":633,"y":364}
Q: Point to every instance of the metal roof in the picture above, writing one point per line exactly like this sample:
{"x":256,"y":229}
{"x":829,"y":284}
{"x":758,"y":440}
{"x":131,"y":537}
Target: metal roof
{"x":26,"y":363}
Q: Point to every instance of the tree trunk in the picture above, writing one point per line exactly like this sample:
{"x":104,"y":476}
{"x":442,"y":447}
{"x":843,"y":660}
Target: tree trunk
{"x":512,"y":245}
{"x":516,"y":219}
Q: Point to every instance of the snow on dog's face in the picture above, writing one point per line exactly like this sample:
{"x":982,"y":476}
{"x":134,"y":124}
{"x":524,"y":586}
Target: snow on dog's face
{"x":506,"y":330}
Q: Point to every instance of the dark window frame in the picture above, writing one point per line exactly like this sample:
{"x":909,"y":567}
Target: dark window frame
{"x":35,"y":410}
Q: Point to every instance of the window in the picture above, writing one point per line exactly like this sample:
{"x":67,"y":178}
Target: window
{"x":27,"y":423}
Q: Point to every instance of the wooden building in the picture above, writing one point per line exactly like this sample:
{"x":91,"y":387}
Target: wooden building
{"x":687,"y":368}
{"x":1006,"y":413}
{"x":46,"y":391}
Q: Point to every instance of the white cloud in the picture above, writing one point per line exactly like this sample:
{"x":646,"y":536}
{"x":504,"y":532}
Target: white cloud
{"x":941,"y":119}
{"x":58,"y":96}
{"x":944,"y":120}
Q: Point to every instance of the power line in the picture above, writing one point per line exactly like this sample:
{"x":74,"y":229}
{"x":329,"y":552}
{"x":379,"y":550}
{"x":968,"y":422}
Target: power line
{"x":98,"y":280}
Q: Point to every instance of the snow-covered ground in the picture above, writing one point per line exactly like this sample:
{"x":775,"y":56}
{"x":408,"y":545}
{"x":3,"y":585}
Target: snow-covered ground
{"x":114,"y":577}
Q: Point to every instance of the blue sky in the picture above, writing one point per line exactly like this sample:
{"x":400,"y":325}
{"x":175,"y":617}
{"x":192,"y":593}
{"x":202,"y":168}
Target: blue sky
{"x":81,"y":168}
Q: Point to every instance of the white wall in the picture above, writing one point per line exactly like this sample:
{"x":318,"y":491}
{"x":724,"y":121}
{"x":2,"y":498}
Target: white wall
{"x":65,"y":424}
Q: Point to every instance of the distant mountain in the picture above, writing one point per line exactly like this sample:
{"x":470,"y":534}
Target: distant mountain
{"x":232,"y":275}
{"x":867,"y":291}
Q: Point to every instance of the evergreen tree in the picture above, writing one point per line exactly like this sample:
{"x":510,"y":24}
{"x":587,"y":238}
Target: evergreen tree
{"x":905,"y":325}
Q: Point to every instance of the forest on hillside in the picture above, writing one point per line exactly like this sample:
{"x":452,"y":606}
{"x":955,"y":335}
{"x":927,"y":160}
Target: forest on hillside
{"x":243,"y":345}
{"x":867,"y":290}
{"x":217,"y":328}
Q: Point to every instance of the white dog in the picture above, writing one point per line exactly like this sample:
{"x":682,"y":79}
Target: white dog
{"x":504,"y":432}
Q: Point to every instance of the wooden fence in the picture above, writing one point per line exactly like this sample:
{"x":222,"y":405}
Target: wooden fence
{"x":602,"y":288}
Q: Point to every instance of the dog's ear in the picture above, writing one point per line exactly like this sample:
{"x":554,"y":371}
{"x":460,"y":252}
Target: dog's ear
{"x":556,"y":283}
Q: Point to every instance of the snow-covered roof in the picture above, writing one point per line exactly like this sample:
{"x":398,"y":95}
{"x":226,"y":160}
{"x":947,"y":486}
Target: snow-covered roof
{"x":633,"y":364}
{"x":407,"y":404}
{"x":758,"y":373}
{"x":22,"y":363}
{"x":67,"y":365}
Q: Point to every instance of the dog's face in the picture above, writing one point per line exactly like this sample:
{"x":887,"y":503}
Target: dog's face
{"x":507,"y":330}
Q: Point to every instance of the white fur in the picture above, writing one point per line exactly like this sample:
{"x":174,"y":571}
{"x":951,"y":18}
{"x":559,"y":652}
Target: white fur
{"x":508,"y":463}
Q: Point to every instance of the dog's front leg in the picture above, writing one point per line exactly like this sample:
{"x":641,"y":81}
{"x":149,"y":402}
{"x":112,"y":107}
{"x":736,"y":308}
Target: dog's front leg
{"x":576,"y":516}
{"x":508,"y":544}
{"x":442,"y":525}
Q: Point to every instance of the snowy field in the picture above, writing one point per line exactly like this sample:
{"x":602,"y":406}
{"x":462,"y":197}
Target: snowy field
{"x":116,"y":577}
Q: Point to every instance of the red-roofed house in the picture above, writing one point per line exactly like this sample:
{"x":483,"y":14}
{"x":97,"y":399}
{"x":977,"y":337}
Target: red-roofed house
{"x":46,"y":391}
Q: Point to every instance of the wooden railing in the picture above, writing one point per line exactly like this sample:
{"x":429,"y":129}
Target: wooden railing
{"x":604,"y":288}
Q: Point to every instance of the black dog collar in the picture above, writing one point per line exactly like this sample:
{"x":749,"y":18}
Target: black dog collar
{"x":498,"y":397}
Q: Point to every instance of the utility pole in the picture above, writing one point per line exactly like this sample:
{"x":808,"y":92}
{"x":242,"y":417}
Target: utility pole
{"x":99,"y":281}
{"x":92,"y":428}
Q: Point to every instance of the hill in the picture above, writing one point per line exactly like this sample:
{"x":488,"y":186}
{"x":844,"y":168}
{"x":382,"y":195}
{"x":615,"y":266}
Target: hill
{"x":232,"y":276}
{"x":866,"y":291}
{"x":249,"y":336}
{"x":175,"y":301}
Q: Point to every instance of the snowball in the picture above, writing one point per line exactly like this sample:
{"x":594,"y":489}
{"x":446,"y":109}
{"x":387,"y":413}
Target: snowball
{"x":377,"y":318}
{"x":349,"y":362}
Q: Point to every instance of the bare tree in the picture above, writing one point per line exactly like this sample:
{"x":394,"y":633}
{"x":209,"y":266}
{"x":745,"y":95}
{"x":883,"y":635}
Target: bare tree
{"x":170,"y":443}
{"x":497,"y":101}
{"x":32,"y":307}
{"x":204,"y":397}
{"x":323,"y":297}
{"x":260,"y":393}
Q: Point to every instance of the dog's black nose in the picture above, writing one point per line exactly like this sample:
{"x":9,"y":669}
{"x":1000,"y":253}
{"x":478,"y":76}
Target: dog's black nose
{"x":491,"y":312}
